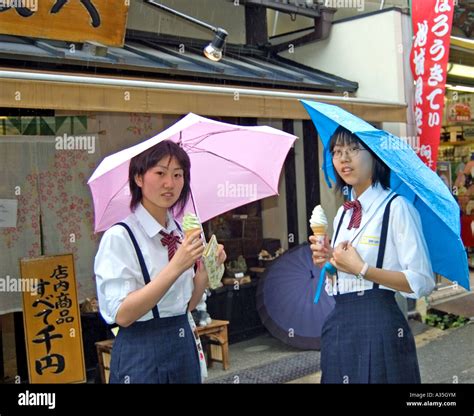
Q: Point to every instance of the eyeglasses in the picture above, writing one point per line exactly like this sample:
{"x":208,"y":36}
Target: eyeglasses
{"x":351,"y":152}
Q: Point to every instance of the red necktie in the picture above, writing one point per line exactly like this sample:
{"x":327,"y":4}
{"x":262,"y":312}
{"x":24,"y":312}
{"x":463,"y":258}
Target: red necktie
{"x":356,"y":213}
{"x":171,"y":241}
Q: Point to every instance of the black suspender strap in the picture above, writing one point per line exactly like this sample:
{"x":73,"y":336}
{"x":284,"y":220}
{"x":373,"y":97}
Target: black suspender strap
{"x":337,"y":231}
{"x":339,"y":225}
{"x":141,"y":260}
{"x":383,"y":237}
{"x":383,"y":234}
{"x":178,"y":226}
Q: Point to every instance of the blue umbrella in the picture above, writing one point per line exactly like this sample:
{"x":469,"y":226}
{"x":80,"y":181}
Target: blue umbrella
{"x":285,"y":299}
{"x":410,"y":178}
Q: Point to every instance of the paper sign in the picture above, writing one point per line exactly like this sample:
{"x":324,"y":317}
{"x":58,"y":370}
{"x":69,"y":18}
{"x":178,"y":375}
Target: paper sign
{"x":8,"y":213}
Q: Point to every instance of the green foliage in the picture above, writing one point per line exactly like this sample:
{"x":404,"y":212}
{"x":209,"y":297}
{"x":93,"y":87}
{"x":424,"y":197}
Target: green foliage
{"x":445,"y":321}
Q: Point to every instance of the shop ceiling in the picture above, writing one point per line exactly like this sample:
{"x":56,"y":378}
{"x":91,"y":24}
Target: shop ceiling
{"x":169,"y":75}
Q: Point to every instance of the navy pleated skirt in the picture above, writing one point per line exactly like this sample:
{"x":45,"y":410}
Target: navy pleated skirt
{"x":366,"y":339}
{"x":159,"y":351}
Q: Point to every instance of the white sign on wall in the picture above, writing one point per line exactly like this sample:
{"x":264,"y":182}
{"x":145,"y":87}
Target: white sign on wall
{"x":8,"y":213}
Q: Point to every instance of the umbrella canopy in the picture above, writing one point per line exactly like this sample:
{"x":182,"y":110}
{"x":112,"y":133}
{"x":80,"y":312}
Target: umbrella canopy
{"x":285,"y":299}
{"x":230,"y":166}
{"x":411,"y":178}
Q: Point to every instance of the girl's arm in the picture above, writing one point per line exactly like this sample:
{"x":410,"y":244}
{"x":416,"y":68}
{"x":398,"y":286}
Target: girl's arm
{"x":201,"y":281}
{"x":393,"y":280}
{"x":139,"y":302}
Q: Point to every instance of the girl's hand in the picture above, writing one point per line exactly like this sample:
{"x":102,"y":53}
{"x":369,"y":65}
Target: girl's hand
{"x":221,"y":254}
{"x":346,"y":259}
{"x":201,"y":272}
{"x":321,"y":253}
{"x":188,"y":252}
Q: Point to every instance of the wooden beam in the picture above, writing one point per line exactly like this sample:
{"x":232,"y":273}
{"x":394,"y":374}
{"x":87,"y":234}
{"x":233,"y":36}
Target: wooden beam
{"x":290,"y":188}
{"x":256,"y":31}
{"x":102,"y":98}
{"x":311,"y":168}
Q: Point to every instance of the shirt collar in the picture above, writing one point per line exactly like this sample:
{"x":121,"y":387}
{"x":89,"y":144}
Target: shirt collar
{"x":151,"y":226}
{"x":369,"y":196}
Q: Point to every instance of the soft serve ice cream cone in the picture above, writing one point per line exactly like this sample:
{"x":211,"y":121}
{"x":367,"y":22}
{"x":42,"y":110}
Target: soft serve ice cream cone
{"x":319,"y":224}
{"x":191,"y":223}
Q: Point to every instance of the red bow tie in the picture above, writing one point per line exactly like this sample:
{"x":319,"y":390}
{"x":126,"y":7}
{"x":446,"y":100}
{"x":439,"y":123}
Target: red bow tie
{"x":356,"y":213}
{"x":171,"y":241}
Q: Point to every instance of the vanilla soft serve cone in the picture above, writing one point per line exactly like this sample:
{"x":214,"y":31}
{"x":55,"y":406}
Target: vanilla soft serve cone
{"x":319,"y":224}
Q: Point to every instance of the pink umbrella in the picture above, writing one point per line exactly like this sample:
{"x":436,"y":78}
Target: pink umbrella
{"x":230,"y":166}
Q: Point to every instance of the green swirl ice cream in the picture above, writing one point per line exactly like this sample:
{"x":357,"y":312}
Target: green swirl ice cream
{"x":191,"y":223}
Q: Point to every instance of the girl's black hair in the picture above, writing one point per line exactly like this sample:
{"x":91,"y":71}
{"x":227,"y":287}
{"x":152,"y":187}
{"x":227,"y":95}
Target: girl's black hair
{"x":140,"y":164}
{"x":380,"y":171}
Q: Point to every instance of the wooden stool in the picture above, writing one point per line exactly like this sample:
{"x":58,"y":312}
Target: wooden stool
{"x":104,"y":351}
{"x":218,"y":346}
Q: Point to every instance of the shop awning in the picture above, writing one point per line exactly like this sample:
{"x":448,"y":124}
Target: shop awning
{"x":150,"y":77}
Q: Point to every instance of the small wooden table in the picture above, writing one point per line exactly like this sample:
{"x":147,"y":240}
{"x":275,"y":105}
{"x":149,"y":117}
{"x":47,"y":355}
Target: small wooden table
{"x":104,"y":351}
{"x":218,"y":345}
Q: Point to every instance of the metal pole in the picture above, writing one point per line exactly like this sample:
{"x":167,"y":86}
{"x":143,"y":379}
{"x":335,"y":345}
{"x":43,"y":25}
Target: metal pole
{"x":182,"y":15}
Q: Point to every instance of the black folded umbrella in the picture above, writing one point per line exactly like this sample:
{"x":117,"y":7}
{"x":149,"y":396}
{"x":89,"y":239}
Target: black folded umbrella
{"x":285,"y":299}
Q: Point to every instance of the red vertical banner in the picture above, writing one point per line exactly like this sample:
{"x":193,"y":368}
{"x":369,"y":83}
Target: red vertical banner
{"x":432,"y":21}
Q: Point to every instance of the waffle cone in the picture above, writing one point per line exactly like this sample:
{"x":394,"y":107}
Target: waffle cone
{"x":190,"y":231}
{"x":319,"y":229}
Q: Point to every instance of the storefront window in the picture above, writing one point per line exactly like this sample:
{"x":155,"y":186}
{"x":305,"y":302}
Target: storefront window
{"x":456,"y":159}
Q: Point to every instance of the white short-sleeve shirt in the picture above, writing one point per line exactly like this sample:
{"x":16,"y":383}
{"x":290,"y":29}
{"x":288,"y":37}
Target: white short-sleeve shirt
{"x":118,"y":271}
{"x":405,"y":251}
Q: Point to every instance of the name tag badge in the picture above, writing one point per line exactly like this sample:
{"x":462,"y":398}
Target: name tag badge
{"x":370,"y":240}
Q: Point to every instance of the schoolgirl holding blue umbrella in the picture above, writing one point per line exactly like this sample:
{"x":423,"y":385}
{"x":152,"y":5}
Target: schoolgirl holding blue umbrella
{"x":377,"y":249}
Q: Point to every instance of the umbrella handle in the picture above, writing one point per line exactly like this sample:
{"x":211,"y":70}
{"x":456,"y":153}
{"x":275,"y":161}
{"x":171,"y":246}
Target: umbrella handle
{"x":197,"y":213}
{"x":328,"y":268}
